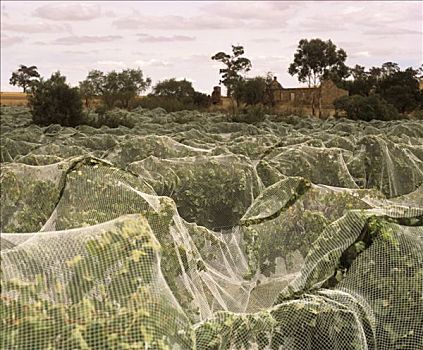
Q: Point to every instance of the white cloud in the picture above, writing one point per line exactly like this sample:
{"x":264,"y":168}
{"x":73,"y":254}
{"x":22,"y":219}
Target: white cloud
{"x":267,"y":12}
{"x":270,"y":58}
{"x":37,"y":27}
{"x":153,"y":63}
{"x":352,"y":9}
{"x":111,"y":63}
{"x":110,"y":14}
{"x":81,"y":52}
{"x":374,"y":15}
{"x":7,"y":41}
{"x":265,"y":40}
{"x":172,"y":23}
{"x":145,"y":38}
{"x":392,"y":31}
{"x":85,"y":39}
{"x":69,"y":11}
{"x":360,"y":54}
{"x":196,"y":58}
{"x":4,"y":13}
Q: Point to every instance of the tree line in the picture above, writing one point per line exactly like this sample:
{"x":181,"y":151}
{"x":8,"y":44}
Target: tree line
{"x":377,"y":93}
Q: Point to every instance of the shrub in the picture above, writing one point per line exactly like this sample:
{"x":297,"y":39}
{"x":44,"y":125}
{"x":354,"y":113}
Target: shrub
{"x":179,"y":89}
{"x":417,"y":114}
{"x":201,"y":100}
{"x":101,"y":110}
{"x":359,"y":107}
{"x":252,"y":91}
{"x":175,"y":95}
{"x":117,"y":117}
{"x":53,"y":101}
{"x":168,"y":103}
{"x":250,"y":115}
{"x":401,"y":89}
{"x":113,"y":118}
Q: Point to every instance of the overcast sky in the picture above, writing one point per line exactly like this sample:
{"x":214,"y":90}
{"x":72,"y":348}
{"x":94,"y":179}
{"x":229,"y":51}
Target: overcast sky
{"x":177,"y":39}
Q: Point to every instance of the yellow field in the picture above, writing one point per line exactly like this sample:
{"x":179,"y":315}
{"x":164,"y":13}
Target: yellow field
{"x":13,"y":99}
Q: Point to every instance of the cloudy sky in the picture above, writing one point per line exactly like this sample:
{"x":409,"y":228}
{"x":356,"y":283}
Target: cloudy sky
{"x":177,"y":39}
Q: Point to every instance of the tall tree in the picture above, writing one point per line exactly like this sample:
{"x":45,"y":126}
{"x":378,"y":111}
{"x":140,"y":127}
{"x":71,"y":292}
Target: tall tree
{"x":179,"y":89}
{"x":376,"y":74}
{"x":316,"y":60}
{"x":87,"y":91}
{"x":24,"y":77}
{"x":401,"y":89}
{"x":358,"y":72}
{"x":115,"y":87}
{"x":397,"y":87}
{"x":362,"y":82}
{"x":235,"y":65}
{"x":390,"y":68}
{"x":131,"y":83}
{"x":105,"y":86}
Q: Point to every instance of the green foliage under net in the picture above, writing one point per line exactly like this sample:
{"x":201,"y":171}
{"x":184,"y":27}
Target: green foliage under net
{"x":289,"y":234}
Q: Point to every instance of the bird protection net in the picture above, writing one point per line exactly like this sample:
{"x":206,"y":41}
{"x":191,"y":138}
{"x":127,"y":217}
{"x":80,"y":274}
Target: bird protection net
{"x":212,"y":248}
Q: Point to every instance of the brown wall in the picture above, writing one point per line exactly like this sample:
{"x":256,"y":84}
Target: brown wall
{"x":298,"y":97}
{"x":330,"y":92}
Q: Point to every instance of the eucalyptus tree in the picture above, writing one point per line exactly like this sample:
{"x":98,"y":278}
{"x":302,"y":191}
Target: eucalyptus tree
{"x":24,"y":77}
{"x":235,"y":66}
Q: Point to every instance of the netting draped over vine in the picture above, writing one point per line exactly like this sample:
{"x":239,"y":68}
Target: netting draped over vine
{"x":293,"y":234}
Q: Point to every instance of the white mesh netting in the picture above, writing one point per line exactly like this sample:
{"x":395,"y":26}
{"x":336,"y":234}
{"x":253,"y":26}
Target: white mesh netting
{"x":189,"y":232}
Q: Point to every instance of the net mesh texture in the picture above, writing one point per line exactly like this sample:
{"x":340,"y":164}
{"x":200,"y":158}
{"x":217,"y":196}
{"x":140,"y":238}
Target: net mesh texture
{"x":191,"y":232}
